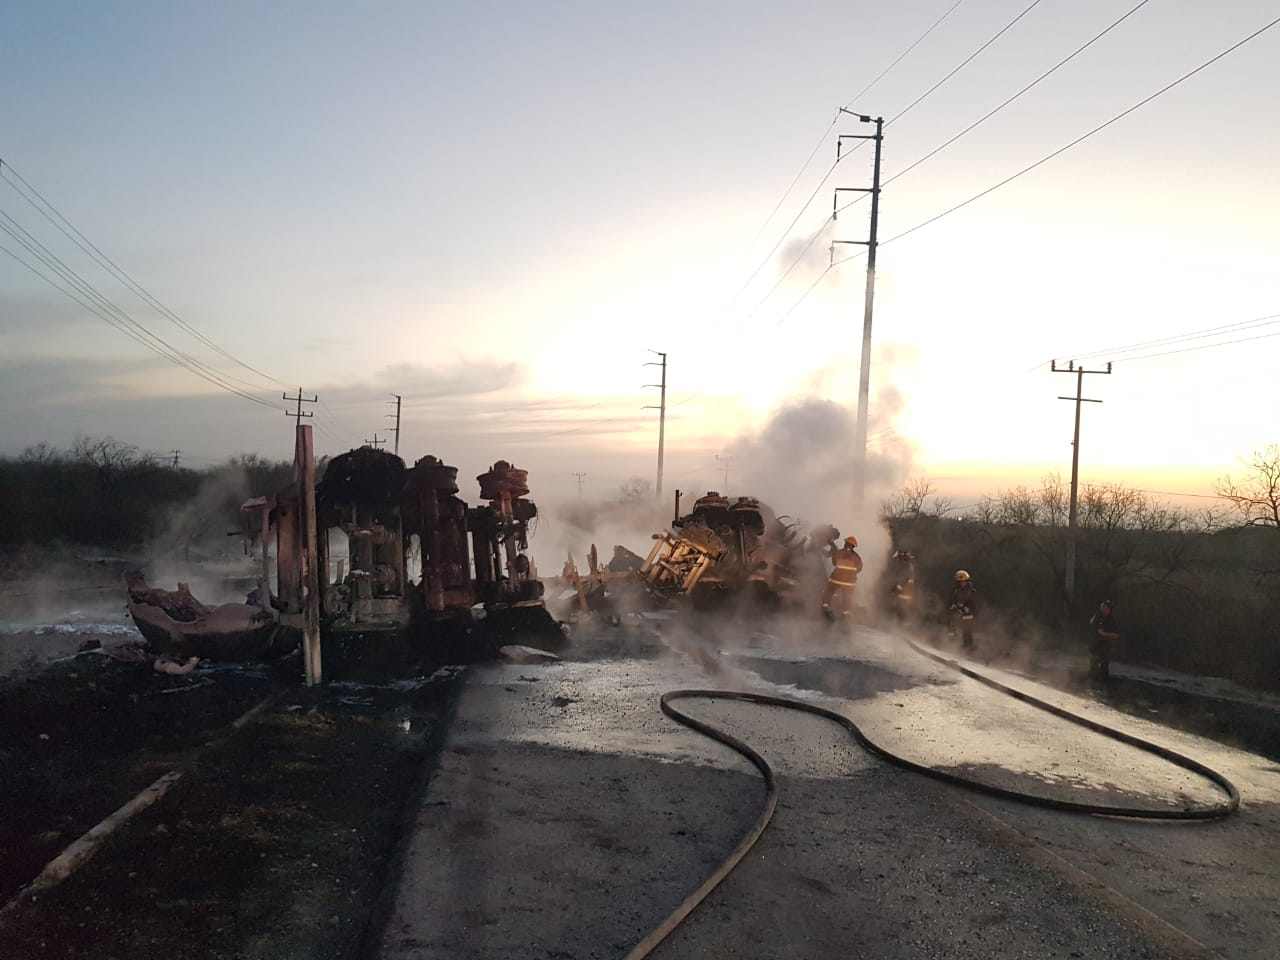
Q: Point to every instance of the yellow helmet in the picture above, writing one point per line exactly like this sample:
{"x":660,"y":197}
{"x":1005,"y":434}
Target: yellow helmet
{"x":850,"y":541}
{"x":962,"y":576}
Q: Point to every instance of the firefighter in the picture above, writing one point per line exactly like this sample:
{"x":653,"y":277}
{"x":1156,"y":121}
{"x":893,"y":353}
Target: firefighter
{"x":1103,"y":633}
{"x":843,"y":580}
{"x":963,"y":607}
{"x":903,"y":573}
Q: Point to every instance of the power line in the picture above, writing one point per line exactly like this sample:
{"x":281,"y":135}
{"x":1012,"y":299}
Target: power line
{"x":1086,"y":136}
{"x":813,"y":239}
{"x":45,"y":208}
{"x":826,"y":176}
{"x":1007,"y":180}
{"x":1266,"y":321}
{"x":1203,"y":346}
{"x":124,"y":324}
{"x":920,"y":39}
{"x":68,"y":275}
{"x":967,"y":60}
{"x":991,"y":113}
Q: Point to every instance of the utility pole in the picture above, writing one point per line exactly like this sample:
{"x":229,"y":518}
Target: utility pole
{"x":1069,"y":584}
{"x":864,"y":375}
{"x":725,"y":461}
{"x":177,"y":454}
{"x":300,"y":400}
{"x":375,"y":442}
{"x":580,"y":477}
{"x":397,"y":416}
{"x":662,"y":412}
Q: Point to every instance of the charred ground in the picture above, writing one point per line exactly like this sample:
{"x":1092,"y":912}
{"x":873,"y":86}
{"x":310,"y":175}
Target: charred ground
{"x":278,"y":840}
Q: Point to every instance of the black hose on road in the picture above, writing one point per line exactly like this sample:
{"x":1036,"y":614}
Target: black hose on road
{"x":1211,"y":812}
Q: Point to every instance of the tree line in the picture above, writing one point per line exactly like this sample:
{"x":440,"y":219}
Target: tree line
{"x":113,"y":495}
{"x":1194,"y":590}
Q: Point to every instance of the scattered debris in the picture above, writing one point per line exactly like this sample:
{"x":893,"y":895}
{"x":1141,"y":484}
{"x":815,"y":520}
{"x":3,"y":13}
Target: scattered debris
{"x":174,"y":668}
{"x":518,"y":653}
{"x":176,"y":623}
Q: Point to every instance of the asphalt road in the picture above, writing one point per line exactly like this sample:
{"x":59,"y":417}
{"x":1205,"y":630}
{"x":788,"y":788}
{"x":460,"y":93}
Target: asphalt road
{"x":568,"y":817}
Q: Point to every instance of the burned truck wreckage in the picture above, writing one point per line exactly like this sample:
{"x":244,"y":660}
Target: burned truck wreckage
{"x":398,"y":554}
{"x":722,"y":551}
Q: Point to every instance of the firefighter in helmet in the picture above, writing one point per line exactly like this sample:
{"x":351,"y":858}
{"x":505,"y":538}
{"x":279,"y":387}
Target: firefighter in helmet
{"x":903,"y":574}
{"x":842,"y":581}
{"x":963,"y":607}
{"x":1105,"y":634}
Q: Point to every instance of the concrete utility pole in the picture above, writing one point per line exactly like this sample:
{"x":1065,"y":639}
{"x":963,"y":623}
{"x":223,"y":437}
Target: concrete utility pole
{"x":375,"y":442}
{"x":1069,"y":584}
{"x":397,"y":416}
{"x":725,"y":461}
{"x":662,"y":412}
{"x":864,"y":375}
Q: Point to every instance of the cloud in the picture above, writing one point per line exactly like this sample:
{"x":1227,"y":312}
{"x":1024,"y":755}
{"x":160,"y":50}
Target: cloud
{"x":463,"y":380}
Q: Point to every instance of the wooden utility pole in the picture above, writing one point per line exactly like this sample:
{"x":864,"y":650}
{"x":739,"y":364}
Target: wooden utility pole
{"x":662,"y":412}
{"x":375,"y":442}
{"x":864,"y":373}
{"x":580,"y":477}
{"x":304,"y":461}
{"x":300,"y":400}
{"x":1069,"y":584}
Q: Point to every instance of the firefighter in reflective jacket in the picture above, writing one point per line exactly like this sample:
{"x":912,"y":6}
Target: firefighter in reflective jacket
{"x":843,"y":580}
{"x":963,"y":607}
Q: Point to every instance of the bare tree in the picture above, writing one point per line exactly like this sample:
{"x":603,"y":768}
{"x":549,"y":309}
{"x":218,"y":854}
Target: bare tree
{"x":635,"y":489}
{"x":1257,"y":497}
{"x":909,"y":502}
{"x":42,"y":453}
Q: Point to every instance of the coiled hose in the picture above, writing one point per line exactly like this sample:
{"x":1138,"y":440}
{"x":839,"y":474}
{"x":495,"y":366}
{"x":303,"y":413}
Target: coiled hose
{"x":677,"y":916}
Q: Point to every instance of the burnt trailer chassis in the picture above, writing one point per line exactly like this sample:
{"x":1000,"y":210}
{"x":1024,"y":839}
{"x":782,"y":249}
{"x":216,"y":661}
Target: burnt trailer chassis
{"x":401,"y":561}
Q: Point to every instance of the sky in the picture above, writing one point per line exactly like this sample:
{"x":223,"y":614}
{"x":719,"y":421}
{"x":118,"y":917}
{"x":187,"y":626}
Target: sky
{"x":502,"y":211}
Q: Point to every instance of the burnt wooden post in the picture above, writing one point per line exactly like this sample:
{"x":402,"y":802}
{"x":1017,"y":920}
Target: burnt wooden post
{"x":304,"y":465}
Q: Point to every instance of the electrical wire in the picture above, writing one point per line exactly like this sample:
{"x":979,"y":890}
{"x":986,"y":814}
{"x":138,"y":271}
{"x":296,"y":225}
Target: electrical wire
{"x":68,"y":275}
{"x":832,"y":216}
{"x":964,"y":63}
{"x":805,"y":166}
{"x":880,"y":76}
{"x":45,"y":208}
{"x":991,"y":113}
{"x":1203,"y":346}
{"x":1266,"y":321}
{"x":124,"y":323}
{"x":1083,"y":137}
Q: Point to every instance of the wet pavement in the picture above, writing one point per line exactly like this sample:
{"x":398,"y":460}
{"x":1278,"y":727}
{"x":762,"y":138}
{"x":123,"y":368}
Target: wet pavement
{"x":1134,"y":889}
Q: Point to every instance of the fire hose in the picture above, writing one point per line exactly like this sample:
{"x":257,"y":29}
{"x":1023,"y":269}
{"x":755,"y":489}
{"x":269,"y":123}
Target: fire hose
{"x":676,"y":917}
